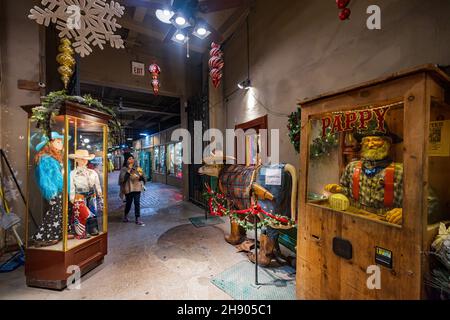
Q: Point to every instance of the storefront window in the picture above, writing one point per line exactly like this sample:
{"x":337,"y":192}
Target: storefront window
{"x":356,"y":162}
{"x":156,"y":159}
{"x":179,"y":160}
{"x":162,"y":160}
{"x":171,"y":158}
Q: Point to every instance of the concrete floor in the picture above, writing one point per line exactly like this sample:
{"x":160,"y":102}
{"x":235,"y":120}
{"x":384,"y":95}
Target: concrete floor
{"x":167,"y":259}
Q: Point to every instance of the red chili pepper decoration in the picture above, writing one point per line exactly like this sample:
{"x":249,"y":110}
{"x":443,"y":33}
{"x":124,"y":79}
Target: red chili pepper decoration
{"x":216,"y":64}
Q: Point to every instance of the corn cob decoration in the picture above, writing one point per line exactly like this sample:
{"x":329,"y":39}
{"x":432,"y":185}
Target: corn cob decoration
{"x":66,"y":61}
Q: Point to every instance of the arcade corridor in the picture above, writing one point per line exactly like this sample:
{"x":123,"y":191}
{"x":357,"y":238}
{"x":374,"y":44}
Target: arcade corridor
{"x":167,"y":259}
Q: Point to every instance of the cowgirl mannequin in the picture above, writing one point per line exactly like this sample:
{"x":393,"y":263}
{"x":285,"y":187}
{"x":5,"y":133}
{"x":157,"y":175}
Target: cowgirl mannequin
{"x":84,"y":189}
{"x":49,"y":178}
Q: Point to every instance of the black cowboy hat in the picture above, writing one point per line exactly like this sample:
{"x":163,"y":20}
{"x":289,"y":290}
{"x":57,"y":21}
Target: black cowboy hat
{"x":372,"y":131}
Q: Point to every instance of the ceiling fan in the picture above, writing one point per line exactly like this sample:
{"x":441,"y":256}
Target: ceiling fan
{"x":184,"y":17}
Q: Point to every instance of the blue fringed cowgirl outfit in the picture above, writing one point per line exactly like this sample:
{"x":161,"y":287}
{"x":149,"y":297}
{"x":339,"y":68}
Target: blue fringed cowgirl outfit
{"x":48,"y":174}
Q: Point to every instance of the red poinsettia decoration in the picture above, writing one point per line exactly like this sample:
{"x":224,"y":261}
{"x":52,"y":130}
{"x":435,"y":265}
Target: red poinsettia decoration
{"x":216,"y":64}
{"x":155,"y":71}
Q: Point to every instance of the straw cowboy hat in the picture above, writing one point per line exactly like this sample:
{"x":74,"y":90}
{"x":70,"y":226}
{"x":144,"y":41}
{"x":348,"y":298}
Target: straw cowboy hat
{"x":82,"y":154}
{"x":217,"y":157}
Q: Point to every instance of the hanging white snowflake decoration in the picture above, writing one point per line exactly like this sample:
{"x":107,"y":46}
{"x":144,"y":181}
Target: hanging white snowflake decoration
{"x":87,"y":22}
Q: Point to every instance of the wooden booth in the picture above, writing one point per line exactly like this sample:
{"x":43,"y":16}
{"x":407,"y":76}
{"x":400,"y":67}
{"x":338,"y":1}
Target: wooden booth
{"x":67,"y":189}
{"x":375,"y":168}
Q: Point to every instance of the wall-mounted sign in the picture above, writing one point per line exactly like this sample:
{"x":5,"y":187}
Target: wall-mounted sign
{"x":137,"y":69}
{"x":383,"y":257}
{"x":350,"y":120}
{"x":439,"y":139}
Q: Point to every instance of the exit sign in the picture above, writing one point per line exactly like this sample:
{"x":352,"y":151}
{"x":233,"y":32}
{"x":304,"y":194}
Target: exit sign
{"x":137,"y":69}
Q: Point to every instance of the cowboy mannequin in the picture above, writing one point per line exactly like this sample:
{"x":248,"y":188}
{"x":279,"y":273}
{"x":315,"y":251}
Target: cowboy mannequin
{"x":374,"y":183}
{"x":84,"y":189}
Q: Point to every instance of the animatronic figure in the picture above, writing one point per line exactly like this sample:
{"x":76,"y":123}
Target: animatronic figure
{"x":374,"y":183}
{"x":84,"y":189}
{"x":49,"y":178}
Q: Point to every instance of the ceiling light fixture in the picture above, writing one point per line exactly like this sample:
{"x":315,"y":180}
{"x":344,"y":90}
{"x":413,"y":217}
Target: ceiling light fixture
{"x":201,"y":32}
{"x":180,"y":37}
{"x":244,"y":85}
{"x":164,"y":16}
{"x":181,"y":21}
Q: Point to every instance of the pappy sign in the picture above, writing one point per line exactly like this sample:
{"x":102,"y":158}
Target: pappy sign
{"x":347,"y":121}
{"x":273,"y":177}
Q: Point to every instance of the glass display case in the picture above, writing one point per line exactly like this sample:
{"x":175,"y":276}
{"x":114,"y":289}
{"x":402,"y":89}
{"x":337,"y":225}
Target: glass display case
{"x":369,"y":182}
{"x":375,"y":164}
{"x":67,"y":196}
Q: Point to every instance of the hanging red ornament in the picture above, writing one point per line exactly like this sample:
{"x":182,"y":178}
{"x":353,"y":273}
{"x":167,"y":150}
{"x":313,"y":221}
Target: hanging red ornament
{"x":342,"y":3}
{"x":155,"y":71}
{"x":344,"y":14}
{"x":216,"y":64}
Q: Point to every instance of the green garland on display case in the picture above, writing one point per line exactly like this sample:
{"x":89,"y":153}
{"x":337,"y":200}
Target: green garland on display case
{"x":323,"y":146}
{"x":51,"y":104}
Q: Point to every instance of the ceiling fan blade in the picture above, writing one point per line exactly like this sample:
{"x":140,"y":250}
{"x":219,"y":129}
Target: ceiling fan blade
{"x":170,"y":34}
{"x":208,"y":6}
{"x":146,"y":4}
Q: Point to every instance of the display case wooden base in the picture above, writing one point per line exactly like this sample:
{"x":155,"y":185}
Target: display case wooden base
{"x":49,"y":268}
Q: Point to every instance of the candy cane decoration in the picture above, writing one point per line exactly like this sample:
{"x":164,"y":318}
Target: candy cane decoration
{"x":155,"y":71}
{"x":216,"y":64}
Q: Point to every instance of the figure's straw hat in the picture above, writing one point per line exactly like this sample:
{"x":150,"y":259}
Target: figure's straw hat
{"x":82,"y":154}
{"x":217,"y":157}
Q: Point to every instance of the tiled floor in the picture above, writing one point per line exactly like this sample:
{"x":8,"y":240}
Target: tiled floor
{"x":167,"y":259}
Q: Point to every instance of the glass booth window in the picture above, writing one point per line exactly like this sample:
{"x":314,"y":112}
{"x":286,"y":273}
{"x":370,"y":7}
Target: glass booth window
{"x":356,"y":162}
{"x":439,"y":164}
{"x":66,"y":183}
{"x":46,"y":187}
{"x":86,"y":180}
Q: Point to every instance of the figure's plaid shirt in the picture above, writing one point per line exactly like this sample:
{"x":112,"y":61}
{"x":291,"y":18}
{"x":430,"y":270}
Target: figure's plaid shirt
{"x":371,"y":192}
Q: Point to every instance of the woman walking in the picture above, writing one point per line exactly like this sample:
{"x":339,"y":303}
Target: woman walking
{"x":131,"y":181}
